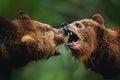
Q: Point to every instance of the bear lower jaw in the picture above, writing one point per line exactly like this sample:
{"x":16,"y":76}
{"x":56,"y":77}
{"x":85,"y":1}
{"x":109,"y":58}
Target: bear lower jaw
{"x":72,"y":46}
{"x":57,"y":52}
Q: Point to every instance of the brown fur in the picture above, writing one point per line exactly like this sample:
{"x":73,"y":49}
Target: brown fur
{"x":23,"y":40}
{"x":97,"y":47}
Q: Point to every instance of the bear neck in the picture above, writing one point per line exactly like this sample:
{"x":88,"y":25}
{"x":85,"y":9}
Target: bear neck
{"x":103,"y":61}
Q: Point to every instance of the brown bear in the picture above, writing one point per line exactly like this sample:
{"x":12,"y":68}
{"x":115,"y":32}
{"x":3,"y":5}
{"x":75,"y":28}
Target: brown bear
{"x":96,"y":46}
{"x":23,"y":40}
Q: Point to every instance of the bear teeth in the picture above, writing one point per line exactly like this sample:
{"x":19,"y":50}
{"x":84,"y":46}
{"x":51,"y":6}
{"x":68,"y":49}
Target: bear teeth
{"x":71,"y":33}
{"x":72,"y":37}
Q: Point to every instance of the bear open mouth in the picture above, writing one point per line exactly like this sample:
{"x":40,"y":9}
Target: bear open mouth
{"x":73,"y":38}
{"x":57,"y":52}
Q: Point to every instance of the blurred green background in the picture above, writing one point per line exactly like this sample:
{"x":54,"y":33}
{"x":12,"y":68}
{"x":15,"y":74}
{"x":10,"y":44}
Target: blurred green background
{"x":54,"y":12}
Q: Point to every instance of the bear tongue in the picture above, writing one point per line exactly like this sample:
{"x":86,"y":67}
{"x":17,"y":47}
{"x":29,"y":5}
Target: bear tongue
{"x":57,"y":52}
{"x":73,"y":43}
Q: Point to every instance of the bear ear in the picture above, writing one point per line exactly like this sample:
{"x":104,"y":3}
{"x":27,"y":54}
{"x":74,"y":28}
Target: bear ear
{"x":22,"y":15}
{"x":98,"y":18}
{"x":6,"y":26}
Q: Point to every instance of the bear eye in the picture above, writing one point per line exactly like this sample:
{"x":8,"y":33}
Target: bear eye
{"x":78,"y":25}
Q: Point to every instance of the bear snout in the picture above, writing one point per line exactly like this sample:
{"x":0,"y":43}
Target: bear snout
{"x":64,"y":24}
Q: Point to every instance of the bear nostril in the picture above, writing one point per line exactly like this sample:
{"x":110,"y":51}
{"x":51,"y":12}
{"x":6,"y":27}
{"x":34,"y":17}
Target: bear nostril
{"x":65,"y":30}
{"x":64,"y":24}
{"x":64,"y":27}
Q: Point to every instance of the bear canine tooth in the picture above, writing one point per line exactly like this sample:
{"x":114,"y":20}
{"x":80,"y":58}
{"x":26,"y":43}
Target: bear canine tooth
{"x":70,"y":33}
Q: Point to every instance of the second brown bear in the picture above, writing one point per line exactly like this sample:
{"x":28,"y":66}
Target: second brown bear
{"x":23,"y":40}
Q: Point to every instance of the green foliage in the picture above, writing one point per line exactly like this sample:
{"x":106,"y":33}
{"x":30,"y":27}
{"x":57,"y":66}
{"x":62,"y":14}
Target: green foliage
{"x":54,"y":12}
{"x":55,"y":68}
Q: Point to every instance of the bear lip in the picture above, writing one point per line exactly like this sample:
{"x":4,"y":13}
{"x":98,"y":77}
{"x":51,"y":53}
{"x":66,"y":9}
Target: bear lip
{"x":57,"y":52}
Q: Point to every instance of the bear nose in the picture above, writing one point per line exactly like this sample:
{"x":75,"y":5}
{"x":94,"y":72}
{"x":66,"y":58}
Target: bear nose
{"x":64,"y":28}
{"x":64,"y":24}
